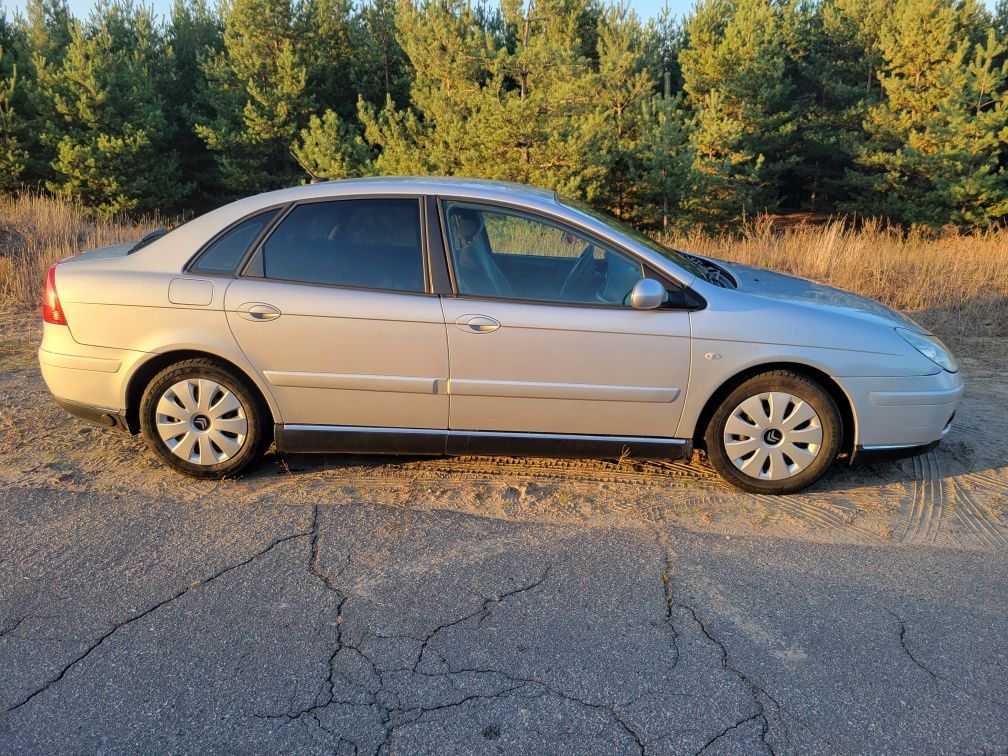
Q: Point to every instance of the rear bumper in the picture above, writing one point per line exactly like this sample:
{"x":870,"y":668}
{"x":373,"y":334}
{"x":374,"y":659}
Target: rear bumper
{"x":107,"y":418}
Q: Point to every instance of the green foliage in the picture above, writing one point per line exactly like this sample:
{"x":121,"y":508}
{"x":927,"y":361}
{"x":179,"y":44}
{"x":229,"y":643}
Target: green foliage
{"x":329,"y":148}
{"x":12,"y":155}
{"x":193,"y":33}
{"x":735,"y":75}
{"x":254,"y":95}
{"x":932,"y":155}
{"x":111,"y":143}
{"x":891,"y":108}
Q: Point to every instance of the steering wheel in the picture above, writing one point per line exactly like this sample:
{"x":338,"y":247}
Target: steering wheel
{"x":584,"y":272}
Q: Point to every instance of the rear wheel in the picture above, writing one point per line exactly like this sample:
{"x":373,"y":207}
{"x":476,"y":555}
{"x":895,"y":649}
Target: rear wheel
{"x":777,"y":433}
{"x":202,"y":419}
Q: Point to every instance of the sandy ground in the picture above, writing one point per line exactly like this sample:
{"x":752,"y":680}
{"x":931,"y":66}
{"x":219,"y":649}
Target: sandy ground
{"x":956,"y":496}
{"x":344,"y":605}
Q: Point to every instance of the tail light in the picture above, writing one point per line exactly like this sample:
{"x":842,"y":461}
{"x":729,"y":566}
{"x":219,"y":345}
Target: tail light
{"x":52,"y":312}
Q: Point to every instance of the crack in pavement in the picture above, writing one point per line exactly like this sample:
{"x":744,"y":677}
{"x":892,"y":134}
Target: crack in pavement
{"x":727,"y":730}
{"x":145,"y":612}
{"x":13,"y":628}
{"x":489,"y":603}
{"x":757,"y":692}
{"x":935,"y":676}
{"x":906,"y":648}
{"x":387,"y":704}
{"x":547,"y":689}
{"x":326,"y":695}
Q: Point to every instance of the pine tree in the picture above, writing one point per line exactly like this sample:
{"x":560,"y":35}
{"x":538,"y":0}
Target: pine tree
{"x":452,"y":56}
{"x":193,"y":33}
{"x":379,"y":67}
{"x":114,"y":153}
{"x":734,"y":73}
{"x":623,"y":87}
{"x":837,"y":72}
{"x":937,"y":139}
{"x":664,"y":40}
{"x":45,"y":41}
{"x":254,"y":101}
{"x":332,"y":149}
{"x":12,"y":155}
{"x":666,"y":192}
{"x":509,"y":97}
{"x":323,"y":33}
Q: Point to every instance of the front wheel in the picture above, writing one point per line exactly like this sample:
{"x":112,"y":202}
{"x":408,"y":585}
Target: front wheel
{"x":202,"y":419}
{"x":777,"y":433}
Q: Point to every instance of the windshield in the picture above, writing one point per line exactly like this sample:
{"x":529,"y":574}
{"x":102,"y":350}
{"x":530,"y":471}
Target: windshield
{"x":669,"y":254}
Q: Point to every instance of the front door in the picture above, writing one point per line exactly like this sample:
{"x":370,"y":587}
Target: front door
{"x":333,"y":312}
{"x":540,"y":336}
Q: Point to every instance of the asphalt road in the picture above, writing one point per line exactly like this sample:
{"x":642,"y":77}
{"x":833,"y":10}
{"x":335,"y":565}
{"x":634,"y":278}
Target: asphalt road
{"x":141,"y":623}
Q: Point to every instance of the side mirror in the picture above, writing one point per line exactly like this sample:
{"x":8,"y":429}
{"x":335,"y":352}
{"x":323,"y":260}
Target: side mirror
{"x":648,"y":294}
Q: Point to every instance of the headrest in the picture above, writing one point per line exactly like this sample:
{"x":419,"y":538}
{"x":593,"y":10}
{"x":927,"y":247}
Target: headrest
{"x":468,"y":223}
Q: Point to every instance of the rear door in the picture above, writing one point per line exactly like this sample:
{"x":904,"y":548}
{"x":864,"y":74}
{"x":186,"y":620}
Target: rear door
{"x":541,"y":338}
{"x":334,"y":311}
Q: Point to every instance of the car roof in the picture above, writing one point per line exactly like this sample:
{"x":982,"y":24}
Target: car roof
{"x":446,"y":185}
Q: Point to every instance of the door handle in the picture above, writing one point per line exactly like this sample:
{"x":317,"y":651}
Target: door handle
{"x":477,"y":324}
{"x":258,"y":312}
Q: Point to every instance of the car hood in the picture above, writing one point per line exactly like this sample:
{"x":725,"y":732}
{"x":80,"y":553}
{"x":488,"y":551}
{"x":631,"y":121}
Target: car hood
{"x":779,"y":286}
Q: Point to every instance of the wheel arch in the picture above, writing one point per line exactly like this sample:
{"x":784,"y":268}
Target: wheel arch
{"x":147,"y":369}
{"x":828,"y":382}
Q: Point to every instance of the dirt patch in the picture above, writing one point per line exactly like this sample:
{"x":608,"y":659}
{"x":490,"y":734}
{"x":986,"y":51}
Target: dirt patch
{"x":956,"y":496}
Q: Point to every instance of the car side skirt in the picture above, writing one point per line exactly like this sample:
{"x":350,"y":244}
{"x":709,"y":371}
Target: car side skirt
{"x":346,"y":439}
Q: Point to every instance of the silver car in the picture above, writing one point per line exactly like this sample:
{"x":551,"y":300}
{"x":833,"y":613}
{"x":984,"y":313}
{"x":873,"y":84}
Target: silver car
{"x":453,"y":316}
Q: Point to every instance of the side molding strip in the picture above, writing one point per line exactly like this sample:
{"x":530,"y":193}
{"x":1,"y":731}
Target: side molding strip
{"x":348,"y":439}
{"x":401,"y":384}
{"x":539,"y":390}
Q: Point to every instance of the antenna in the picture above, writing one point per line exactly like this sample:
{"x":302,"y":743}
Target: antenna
{"x":315,"y":178}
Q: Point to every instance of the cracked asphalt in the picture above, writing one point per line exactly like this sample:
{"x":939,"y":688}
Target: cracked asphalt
{"x":142,"y":623}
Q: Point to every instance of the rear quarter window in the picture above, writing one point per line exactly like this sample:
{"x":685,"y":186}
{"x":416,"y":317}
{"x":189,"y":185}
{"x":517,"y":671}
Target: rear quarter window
{"x":224,"y":253}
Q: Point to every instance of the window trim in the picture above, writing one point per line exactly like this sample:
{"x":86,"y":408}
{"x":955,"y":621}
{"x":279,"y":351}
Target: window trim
{"x":256,"y":249}
{"x":557,"y":219}
{"x":192,"y":264}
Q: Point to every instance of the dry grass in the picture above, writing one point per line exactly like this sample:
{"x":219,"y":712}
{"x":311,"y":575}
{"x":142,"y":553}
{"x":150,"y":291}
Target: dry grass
{"x":36,"y":231}
{"x":958,"y":286}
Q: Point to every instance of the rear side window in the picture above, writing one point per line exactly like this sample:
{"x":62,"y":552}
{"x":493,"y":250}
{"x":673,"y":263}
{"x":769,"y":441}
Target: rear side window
{"x":225,"y":252}
{"x":366,"y":243}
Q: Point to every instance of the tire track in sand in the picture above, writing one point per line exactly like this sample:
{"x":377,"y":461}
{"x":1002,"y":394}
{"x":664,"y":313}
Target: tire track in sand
{"x":927,"y":501}
{"x":980,"y":523}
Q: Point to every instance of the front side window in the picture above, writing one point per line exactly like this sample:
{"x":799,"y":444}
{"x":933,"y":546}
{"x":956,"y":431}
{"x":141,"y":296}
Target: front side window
{"x":227,"y":250}
{"x":366,"y":243}
{"x":498,"y":252}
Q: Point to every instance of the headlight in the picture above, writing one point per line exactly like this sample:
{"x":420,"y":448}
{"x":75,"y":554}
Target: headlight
{"x":931,"y":348}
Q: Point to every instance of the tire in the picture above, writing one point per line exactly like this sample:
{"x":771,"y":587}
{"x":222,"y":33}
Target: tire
{"x":220,"y":421}
{"x":776,"y":433}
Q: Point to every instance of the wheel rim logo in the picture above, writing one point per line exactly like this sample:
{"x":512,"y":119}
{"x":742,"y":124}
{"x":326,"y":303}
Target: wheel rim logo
{"x":773,"y":437}
{"x":201,"y":422}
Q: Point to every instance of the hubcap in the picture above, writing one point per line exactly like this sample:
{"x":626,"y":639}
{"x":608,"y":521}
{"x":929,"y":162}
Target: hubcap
{"x":773,"y":436}
{"x":201,"y":421}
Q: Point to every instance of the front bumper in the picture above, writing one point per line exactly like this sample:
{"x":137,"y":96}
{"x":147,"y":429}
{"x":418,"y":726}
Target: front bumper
{"x":893,"y":416}
{"x":867,"y":455}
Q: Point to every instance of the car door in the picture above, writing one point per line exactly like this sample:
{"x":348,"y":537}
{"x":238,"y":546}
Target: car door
{"x":540,"y":336}
{"x":334,"y":312}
